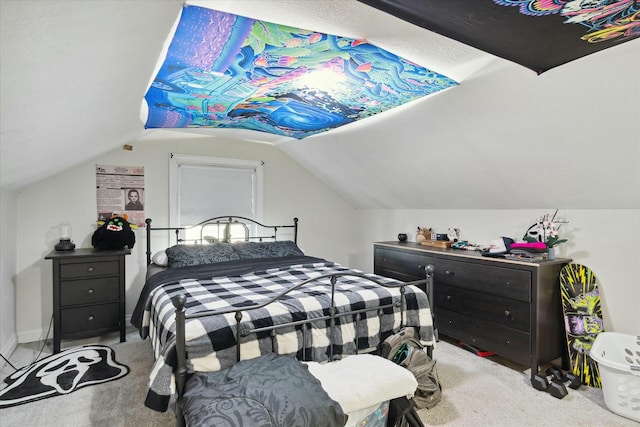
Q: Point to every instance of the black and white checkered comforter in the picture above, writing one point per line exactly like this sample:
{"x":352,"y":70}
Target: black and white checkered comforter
{"x":211,"y":340}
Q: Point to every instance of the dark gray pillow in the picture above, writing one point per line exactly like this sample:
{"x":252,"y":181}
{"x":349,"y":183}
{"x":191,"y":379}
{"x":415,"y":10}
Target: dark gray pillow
{"x":247,"y":250}
{"x":183,"y":255}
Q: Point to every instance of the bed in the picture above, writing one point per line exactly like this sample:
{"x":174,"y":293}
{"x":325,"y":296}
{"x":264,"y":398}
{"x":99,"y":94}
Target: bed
{"x":234,"y":292}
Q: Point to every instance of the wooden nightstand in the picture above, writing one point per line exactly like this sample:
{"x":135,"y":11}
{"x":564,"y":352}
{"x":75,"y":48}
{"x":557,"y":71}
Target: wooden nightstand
{"x":88,"y":293}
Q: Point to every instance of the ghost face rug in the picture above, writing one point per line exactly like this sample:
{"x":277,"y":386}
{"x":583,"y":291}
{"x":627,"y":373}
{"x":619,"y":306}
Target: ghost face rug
{"x":62,"y":373}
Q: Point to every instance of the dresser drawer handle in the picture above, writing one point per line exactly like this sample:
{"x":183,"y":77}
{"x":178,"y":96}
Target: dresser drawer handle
{"x":507,"y":313}
{"x":90,"y":291}
{"x":90,"y":318}
{"x":90,"y":269}
{"x":448,"y":273}
{"x":448,"y":297}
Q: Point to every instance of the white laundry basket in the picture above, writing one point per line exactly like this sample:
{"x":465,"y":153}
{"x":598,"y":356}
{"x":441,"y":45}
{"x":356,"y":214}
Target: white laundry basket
{"x":618,"y":357}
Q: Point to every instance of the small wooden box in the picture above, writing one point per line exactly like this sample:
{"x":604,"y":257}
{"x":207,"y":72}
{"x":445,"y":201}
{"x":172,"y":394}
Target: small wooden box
{"x":437,"y":243}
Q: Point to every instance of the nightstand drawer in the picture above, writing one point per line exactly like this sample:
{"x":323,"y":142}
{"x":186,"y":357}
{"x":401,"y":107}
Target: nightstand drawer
{"x":88,"y":291}
{"x":505,"y":282}
{"x":88,"y":269}
{"x":502,"y":311}
{"x":103,"y":316}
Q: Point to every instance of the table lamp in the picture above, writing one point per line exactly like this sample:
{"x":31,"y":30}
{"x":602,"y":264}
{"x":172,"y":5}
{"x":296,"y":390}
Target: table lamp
{"x":65,"y":243}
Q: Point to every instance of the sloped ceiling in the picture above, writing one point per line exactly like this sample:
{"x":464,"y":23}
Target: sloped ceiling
{"x":226,"y":71}
{"x":73,"y":76}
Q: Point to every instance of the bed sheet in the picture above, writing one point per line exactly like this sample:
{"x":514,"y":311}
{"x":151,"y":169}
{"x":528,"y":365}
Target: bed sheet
{"x":211,"y":340}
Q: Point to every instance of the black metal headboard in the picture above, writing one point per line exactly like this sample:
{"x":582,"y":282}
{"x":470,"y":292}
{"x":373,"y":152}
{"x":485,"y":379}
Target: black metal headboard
{"x":223,"y":222}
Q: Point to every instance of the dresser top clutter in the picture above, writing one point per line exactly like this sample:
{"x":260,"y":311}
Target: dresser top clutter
{"x":463,"y":253}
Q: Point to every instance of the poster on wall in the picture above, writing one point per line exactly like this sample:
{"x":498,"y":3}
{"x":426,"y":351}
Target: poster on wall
{"x":120,"y":191}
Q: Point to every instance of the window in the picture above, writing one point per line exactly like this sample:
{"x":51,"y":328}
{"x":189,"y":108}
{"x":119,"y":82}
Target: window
{"x":202,"y":187}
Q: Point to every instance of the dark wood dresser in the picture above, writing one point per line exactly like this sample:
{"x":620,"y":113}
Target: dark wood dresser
{"x":88,"y":293}
{"x":511,"y":308}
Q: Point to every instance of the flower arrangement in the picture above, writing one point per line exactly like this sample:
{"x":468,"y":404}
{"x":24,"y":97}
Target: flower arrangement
{"x":546,"y":230}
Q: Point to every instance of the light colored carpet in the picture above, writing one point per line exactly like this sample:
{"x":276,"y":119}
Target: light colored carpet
{"x":477,"y":392}
{"x":481,"y":392}
{"x":117,"y":403}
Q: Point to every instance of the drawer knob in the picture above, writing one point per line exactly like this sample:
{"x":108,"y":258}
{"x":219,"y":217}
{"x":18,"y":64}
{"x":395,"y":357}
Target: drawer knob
{"x":448,"y":273}
{"x":448,"y":297}
{"x":90,"y":269}
{"x":507,"y":313}
{"x":90,"y":318}
{"x":90,"y":291}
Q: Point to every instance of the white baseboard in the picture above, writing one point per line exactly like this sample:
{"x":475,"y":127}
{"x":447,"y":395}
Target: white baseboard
{"x":8,"y":349}
{"x":30,"y":336}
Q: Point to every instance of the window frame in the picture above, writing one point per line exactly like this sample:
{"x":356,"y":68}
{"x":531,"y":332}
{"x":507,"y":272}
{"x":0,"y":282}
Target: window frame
{"x":176,"y":160}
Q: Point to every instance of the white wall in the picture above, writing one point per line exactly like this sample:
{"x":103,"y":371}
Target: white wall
{"x":8,"y":241}
{"x":325,"y":218}
{"x":604,"y":240}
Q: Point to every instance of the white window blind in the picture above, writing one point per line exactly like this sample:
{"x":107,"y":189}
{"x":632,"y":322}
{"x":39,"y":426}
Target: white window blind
{"x":204,"y":187}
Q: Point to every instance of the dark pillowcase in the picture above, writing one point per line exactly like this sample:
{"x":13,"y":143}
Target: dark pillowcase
{"x":184,"y":255}
{"x":248,"y":250}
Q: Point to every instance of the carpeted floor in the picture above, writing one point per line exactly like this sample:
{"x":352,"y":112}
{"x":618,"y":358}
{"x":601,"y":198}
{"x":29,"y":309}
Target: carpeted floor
{"x":476,"y":392}
{"x":491,"y":392}
{"x":114,"y":404}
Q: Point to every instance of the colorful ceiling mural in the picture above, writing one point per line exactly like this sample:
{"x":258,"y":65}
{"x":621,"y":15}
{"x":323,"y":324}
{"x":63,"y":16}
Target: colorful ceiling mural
{"x":227,"y":71}
{"x":538,"y":34}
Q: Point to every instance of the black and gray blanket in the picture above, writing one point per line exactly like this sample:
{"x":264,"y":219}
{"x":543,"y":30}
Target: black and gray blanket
{"x":211,"y":341}
{"x":269,"y":390}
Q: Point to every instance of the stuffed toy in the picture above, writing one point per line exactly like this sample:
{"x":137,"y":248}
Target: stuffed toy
{"x":453,"y":234}
{"x":423,"y":234}
{"x":114,"y":234}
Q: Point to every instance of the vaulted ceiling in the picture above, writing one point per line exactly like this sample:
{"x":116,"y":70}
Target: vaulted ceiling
{"x":74,"y":73}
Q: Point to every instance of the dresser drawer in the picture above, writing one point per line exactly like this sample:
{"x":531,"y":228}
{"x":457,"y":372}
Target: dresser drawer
{"x":505,"y":282}
{"x":89,"y":269}
{"x":88,"y":291}
{"x":510,"y":343}
{"x":90,"y":318}
{"x":497,"y":310}
{"x":405,"y":266}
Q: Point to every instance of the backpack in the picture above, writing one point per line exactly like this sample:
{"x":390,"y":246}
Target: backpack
{"x":404,"y":349}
